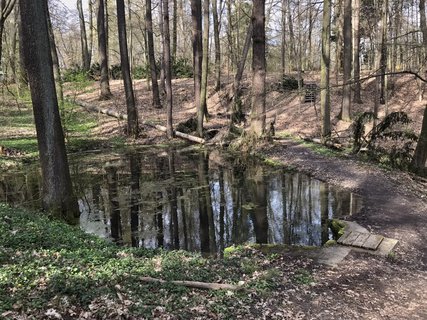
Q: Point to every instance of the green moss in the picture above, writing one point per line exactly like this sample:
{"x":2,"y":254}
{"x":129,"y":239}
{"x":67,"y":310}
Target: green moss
{"x":337,"y":227}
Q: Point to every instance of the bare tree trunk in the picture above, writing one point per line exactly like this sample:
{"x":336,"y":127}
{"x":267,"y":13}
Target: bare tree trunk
{"x":283,"y":43}
{"x":217,"y":45}
{"x":55,"y":62}
{"x":102,"y":52}
{"x":167,"y":67}
{"x":258,"y":69}
{"x":196,"y":16}
{"x":83,"y":37}
{"x":237,"y":114}
{"x":347,"y":59}
{"x":151,"y":57}
{"x":174,"y":30}
{"x":202,"y":110}
{"x":356,"y":51}
{"x":91,"y":27}
{"x":6,"y":7}
{"x":325,"y":61}
{"x":339,"y":37}
{"x":132,"y":113}
{"x":57,"y":193}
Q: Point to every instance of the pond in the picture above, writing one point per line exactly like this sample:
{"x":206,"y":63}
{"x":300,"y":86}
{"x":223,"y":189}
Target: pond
{"x":191,"y":200}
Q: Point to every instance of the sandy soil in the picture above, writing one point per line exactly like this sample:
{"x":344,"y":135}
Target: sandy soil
{"x":364,"y":286}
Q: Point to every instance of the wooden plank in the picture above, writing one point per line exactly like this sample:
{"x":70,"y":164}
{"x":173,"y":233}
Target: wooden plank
{"x":361,"y":240}
{"x":373,"y":242}
{"x":351,"y":238}
{"x":343,"y":237}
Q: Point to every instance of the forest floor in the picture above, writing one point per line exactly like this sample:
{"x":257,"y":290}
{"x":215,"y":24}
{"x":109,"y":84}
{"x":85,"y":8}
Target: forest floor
{"x":285,"y":285}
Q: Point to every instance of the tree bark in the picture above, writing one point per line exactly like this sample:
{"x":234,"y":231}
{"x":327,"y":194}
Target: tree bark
{"x":347,"y":61}
{"x":202,"y":110}
{"x":174,"y":29}
{"x":132,"y":124}
{"x":356,"y":51}
{"x":217,"y":45}
{"x":196,"y":16}
{"x":6,"y":7}
{"x":102,"y":52}
{"x":258,"y":68}
{"x":83,"y":38}
{"x":167,"y":68}
{"x":325,"y":97}
{"x":57,"y":194}
{"x":151,"y":57}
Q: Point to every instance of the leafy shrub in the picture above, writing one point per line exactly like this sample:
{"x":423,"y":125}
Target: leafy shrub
{"x":141,"y":72}
{"x":75,"y":74}
{"x":181,"y":68}
{"x":116,"y":72}
{"x":95,"y":71}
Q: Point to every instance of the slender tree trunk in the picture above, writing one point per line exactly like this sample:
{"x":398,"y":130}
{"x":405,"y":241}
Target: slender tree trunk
{"x":325,"y":61}
{"x":167,"y":67}
{"x":151,"y":57}
{"x":217,"y":45}
{"x":283,"y":43}
{"x":347,"y":59}
{"x":102,"y":52}
{"x":339,"y":37}
{"x":237,"y":114}
{"x":356,"y":51}
{"x":83,"y":37}
{"x":6,"y":7}
{"x":132,"y":112}
{"x":196,"y":16}
{"x":57,"y":194}
{"x":258,"y":69}
{"x":91,"y":28}
{"x":174,"y":29}
{"x":202,"y":110}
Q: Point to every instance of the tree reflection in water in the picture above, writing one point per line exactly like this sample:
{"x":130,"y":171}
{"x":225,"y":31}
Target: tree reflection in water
{"x":193,"y":200}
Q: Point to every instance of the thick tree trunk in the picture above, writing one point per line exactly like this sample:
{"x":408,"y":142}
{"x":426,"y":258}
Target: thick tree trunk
{"x":167,"y":68}
{"x":202,"y":110}
{"x":57,"y":195}
{"x":83,"y":37}
{"x":356,"y":51}
{"x":258,"y":69}
{"x":217,"y":45}
{"x":151,"y":57}
{"x":325,"y":61}
{"x":420,"y":155}
{"x":124,"y":59}
{"x":102,"y":52}
{"x":347,"y":59}
{"x":196,"y":16}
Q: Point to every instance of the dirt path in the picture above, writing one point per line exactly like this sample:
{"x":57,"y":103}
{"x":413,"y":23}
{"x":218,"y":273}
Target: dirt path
{"x":365,"y":286}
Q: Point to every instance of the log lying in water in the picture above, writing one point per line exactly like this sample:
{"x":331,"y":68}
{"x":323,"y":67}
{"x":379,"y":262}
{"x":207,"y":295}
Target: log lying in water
{"x":195,"y":284}
{"x":122,"y":116}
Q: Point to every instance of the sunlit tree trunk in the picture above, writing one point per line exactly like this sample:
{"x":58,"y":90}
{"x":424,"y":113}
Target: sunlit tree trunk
{"x":196,"y":16}
{"x":83,"y":37}
{"x":132,"y":113}
{"x":167,"y":67}
{"x":347,"y":62}
{"x":102,"y":52}
{"x":325,"y":61}
{"x":356,"y":51}
{"x":151,"y":57}
{"x":202,"y":109}
{"x":258,"y":68}
{"x":57,"y":194}
{"x":217,"y":44}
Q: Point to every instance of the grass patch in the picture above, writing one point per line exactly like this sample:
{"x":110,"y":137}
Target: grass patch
{"x":47,"y":264}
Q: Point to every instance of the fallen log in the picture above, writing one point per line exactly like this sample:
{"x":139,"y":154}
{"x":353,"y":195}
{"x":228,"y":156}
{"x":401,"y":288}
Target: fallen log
{"x":121,"y":116}
{"x":195,"y":284}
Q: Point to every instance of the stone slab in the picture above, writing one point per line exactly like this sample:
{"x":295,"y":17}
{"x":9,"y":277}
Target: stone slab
{"x":332,"y":256}
{"x":373,"y":242}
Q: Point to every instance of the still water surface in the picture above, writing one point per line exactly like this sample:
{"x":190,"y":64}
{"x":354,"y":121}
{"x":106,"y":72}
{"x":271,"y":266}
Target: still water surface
{"x":192,"y":200}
